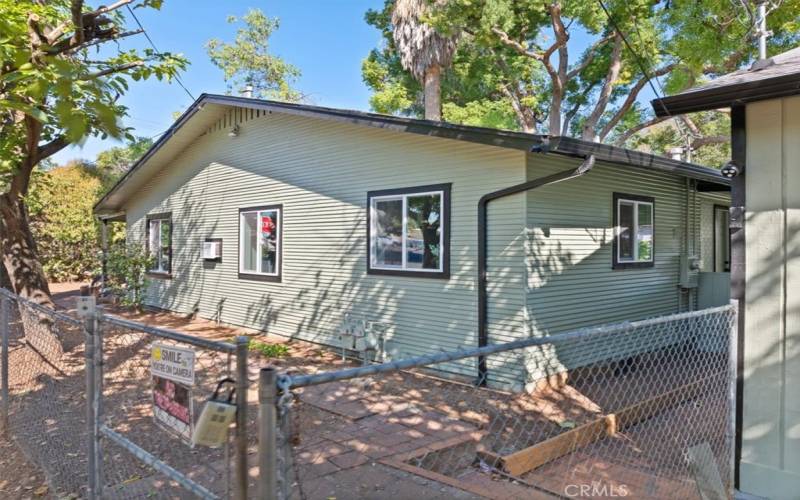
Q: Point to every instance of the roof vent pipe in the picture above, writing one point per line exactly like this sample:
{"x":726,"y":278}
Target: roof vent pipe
{"x":248,"y":91}
{"x":676,"y":153}
{"x":761,"y":28}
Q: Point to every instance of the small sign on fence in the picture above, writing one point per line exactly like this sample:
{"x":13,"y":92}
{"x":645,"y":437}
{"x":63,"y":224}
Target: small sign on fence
{"x":173,"y":363}
{"x":172,"y":369}
{"x":172,"y":407}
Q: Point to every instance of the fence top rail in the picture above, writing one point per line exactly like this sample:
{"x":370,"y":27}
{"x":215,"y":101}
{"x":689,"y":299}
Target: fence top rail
{"x":286,"y":381}
{"x":168,"y":334}
{"x":66,"y":318}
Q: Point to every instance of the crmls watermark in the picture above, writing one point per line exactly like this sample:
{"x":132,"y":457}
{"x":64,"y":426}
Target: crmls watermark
{"x":596,"y":489}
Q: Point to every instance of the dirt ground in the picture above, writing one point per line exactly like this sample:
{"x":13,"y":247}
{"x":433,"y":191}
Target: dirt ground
{"x":19,"y":479}
{"x":399,"y":435}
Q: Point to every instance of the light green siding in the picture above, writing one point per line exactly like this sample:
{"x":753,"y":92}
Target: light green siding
{"x":570,"y":280}
{"x":321,"y":172}
{"x":549,"y":265}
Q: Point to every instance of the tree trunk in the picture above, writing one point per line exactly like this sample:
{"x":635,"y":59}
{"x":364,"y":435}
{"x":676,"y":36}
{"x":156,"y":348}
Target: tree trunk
{"x":433,"y":93}
{"x":5,"y":281}
{"x":27,"y":278}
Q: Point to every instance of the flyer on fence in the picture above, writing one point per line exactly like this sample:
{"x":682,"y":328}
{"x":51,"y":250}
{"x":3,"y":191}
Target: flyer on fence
{"x":172,"y":370}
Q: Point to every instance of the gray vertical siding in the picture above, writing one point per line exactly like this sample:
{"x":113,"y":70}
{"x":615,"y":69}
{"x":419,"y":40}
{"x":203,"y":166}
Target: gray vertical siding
{"x":771,"y":415}
{"x":321,"y":172}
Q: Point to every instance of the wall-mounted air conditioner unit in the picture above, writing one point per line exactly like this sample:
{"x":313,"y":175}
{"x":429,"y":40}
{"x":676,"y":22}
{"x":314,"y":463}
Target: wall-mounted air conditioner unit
{"x":212,"y":249}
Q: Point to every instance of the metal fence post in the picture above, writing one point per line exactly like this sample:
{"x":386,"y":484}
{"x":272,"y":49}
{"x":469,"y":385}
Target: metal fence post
{"x":5,"y":327}
{"x":90,"y":353}
{"x":267,"y":439}
{"x":240,"y":452}
{"x":733,"y":374}
{"x":98,"y":400}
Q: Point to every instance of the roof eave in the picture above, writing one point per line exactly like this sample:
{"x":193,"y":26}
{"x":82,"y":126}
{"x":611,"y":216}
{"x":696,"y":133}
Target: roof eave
{"x":491,"y":137}
{"x":725,"y":96}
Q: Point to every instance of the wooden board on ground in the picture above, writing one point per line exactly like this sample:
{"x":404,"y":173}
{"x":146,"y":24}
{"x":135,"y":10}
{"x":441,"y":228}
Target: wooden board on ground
{"x":539,"y":454}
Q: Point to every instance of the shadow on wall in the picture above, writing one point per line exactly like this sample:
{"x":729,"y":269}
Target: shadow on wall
{"x":771,"y":436}
{"x":317,"y":297}
{"x":573,"y":286}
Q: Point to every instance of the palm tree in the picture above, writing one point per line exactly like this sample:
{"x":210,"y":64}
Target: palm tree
{"x":423,"y":51}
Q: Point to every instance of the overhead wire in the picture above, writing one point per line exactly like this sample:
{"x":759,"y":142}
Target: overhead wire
{"x":152,"y":44}
{"x":687,"y":136}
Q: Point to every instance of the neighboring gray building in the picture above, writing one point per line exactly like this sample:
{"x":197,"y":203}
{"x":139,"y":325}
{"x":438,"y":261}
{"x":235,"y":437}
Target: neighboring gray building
{"x":321,"y":212}
{"x":765,"y":119}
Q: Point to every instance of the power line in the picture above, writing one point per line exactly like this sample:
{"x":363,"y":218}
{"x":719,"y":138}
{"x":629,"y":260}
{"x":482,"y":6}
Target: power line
{"x":152,"y":44}
{"x":641,"y":65}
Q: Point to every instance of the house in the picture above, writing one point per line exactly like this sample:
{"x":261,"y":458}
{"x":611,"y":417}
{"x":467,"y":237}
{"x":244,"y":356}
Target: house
{"x":765,"y":223}
{"x":322,"y":212}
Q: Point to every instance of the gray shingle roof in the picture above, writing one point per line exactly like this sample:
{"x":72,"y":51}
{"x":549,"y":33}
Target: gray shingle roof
{"x":778,"y":76}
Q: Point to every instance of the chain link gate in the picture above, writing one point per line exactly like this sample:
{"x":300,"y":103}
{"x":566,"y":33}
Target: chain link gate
{"x":77,"y":398}
{"x":637,"y":409}
{"x":43,"y":382}
{"x":173,"y":469}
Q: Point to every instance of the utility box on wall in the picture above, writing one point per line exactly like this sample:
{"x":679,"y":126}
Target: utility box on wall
{"x":690,"y":265}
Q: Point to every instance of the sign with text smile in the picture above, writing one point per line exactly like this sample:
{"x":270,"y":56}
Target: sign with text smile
{"x":172,"y":363}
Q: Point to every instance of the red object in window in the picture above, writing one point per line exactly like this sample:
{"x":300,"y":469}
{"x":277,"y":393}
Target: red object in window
{"x":267,"y":225}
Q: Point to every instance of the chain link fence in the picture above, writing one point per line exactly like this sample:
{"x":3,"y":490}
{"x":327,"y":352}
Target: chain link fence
{"x":133,"y":437}
{"x":151,"y":418}
{"x":640,"y":409}
{"x":43,"y":391}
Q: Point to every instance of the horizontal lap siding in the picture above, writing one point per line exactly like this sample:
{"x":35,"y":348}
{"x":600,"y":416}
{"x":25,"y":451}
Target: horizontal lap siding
{"x":570,"y":280}
{"x":321,"y":171}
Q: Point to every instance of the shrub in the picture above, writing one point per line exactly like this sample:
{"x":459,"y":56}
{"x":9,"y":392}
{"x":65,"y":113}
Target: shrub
{"x":127,"y":273}
{"x":64,"y":228}
{"x":269,"y":350}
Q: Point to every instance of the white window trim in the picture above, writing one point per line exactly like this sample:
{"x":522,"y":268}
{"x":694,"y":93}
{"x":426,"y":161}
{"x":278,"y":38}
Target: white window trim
{"x":635,"y":230}
{"x":374,"y":232}
{"x":156,"y":252}
{"x":278,"y":242}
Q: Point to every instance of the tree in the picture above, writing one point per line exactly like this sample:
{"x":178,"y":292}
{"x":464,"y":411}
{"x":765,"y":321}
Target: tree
{"x":57,"y":88}
{"x":60,"y":207}
{"x":515,"y":59}
{"x":113,"y":163}
{"x":423,"y":50}
{"x":247,"y":62}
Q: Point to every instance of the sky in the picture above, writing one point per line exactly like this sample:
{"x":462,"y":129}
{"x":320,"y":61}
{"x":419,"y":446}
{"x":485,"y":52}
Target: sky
{"x":326,"y":39}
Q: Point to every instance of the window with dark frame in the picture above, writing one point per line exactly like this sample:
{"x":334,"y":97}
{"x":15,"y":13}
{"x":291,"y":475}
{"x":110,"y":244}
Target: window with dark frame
{"x":408,"y":231}
{"x":634,"y":231}
{"x":260,"y":242}
{"x":159,"y":243}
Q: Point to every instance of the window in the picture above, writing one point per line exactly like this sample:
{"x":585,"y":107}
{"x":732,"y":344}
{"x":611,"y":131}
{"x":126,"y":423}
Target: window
{"x":634,"y":231}
{"x":159,"y":243}
{"x":260,"y":232}
{"x":408,"y":231}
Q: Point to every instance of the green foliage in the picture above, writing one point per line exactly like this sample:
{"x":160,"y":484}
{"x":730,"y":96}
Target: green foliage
{"x":712,"y":124}
{"x":62,"y":83}
{"x":485,"y":113}
{"x":248,"y":62}
{"x":269,"y":350}
{"x":60,"y":206}
{"x":113,"y":163}
{"x":127,"y":266}
{"x":496,"y":65}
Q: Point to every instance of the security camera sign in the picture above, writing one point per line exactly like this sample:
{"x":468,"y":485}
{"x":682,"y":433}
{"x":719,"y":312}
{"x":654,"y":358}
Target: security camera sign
{"x":172,"y":363}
